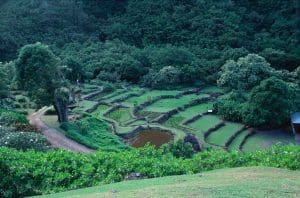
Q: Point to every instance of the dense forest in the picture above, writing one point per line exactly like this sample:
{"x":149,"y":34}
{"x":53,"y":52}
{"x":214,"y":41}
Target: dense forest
{"x":162,"y":43}
{"x":211,"y":74}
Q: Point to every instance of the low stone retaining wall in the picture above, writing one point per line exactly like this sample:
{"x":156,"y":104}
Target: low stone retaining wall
{"x":115,"y":94}
{"x":93,"y":108}
{"x":112,"y":109}
{"x":147,"y":103}
{"x":211,"y":130}
{"x":164,"y":117}
{"x":92,"y":95}
{"x":132,"y":121}
{"x":193,"y":119}
{"x":253,"y":132}
{"x":128,"y":96}
{"x":231,"y":138}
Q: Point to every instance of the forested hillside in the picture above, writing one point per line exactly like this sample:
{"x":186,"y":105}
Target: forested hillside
{"x":205,"y":33}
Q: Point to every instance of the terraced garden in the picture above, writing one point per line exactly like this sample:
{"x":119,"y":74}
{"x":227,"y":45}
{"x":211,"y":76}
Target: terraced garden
{"x":130,"y":110}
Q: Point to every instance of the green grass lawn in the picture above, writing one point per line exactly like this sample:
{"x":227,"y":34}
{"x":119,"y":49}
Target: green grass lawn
{"x":165,"y":105}
{"x":125,"y":94}
{"x":101,"y":109}
{"x":265,"y":139}
{"x":238,"y":140}
{"x":124,"y":129}
{"x":194,"y":110}
{"x":137,"y":100}
{"x":175,"y":122}
{"x":120,"y":115}
{"x":114,"y":94}
{"x":83,"y":106}
{"x":204,"y":123}
{"x":220,"y":136}
{"x":236,"y":182}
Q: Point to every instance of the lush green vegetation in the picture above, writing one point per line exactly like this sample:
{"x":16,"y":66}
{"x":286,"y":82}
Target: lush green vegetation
{"x":205,"y":122}
{"x":148,"y":96}
{"x":253,"y":181}
{"x":265,"y":139}
{"x":165,"y":105}
{"x":93,"y":133}
{"x":120,"y":115}
{"x":152,"y":64}
{"x":221,"y":135}
{"x":31,"y":173}
{"x":236,"y":143}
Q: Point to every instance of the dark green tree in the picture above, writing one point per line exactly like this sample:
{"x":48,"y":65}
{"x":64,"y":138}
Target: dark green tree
{"x":38,"y":73}
{"x":245,"y":73}
{"x":270,"y":103}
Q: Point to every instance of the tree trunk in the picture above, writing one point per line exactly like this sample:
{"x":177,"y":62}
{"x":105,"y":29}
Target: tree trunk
{"x":297,"y":6}
{"x":57,"y":112}
{"x":61,"y":108}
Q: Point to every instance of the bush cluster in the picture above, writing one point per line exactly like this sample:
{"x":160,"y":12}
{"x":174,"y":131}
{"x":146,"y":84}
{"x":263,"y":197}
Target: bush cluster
{"x":32,"y":173}
{"x":10,"y":117}
{"x":24,"y":141}
{"x":93,"y":133}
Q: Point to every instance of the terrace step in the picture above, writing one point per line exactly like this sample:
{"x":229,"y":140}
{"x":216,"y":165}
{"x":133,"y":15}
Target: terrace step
{"x":225,"y":134}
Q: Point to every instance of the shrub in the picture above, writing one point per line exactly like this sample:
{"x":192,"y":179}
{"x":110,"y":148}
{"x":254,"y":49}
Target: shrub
{"x":32,"y":173}
{"x":247,"y":71}
{"x":231,"y":106}
{"x":179,"y":149}
{"x":24,"y":141}
{"x":9,"y":117}
{"x":167,"y":77}
{"x":93,"y":133}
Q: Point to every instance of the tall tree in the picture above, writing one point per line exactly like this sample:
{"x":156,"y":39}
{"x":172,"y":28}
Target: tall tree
{"x":38,"y":73}
{"x":270,"y":103}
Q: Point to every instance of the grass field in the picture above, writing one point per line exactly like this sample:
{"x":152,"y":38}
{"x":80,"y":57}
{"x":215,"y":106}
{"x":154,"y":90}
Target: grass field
{"x":265,"y":139}
{"x":83,"y":106}
{"x":194,"y":110}
{"x":120,"y":115}
{"x":235,"y":182}
{"x":220,"y":136}
{"x":137,"y":100}
{"x":100,"y":111}
{"x":165,"y":105}
{"x":235,"y":144}
{"x":204,"y":123}
{"x":175,"y":121}
{"x":122,"y":95}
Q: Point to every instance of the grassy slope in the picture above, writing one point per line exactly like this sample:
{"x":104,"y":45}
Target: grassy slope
{"x":265,"y":139}
{"x":237,"y":182}
{"x":220,"y":136}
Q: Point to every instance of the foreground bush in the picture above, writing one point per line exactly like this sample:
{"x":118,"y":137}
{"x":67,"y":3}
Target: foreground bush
{"x":33,"y":173}
{"x":25,"y":141}
{"x":9,"y":117}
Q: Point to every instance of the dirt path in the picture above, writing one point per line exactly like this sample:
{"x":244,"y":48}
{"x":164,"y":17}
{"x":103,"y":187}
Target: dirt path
{"x":57,"y":139}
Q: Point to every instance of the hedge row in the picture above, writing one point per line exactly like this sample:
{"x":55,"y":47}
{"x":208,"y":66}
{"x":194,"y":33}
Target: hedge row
{"x":32,"y":173}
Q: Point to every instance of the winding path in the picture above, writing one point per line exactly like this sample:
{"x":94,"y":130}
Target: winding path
{"x":56,"y":139}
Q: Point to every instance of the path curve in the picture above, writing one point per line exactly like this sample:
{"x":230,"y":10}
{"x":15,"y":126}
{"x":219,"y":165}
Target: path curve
{"x":56,"y":139}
